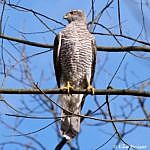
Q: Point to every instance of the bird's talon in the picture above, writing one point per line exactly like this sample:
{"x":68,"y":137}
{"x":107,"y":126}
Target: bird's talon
{"x":91,"y":89}
{"x":68,"y":88}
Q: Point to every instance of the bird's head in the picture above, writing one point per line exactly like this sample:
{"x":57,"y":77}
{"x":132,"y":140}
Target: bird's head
{"x":74,"y":15}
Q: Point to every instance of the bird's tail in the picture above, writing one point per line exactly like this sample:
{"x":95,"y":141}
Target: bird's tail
{"x":70,"y":125}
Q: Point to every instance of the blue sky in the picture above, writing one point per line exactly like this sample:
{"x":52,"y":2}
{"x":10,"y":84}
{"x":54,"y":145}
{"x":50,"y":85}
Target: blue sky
{"x":133,"y":69}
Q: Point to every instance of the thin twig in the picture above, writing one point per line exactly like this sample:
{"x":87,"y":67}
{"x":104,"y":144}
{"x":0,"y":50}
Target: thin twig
{"x":113,"y":124}
{"x":119,"y":17}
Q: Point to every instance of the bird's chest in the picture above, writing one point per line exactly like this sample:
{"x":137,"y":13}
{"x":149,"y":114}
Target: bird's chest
{"x":75,"y":55}
{"x":70,"y":54}
{"x":76,"y":50}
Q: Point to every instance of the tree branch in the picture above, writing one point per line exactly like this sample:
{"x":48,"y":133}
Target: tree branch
{"x":99,"y":48}
{"x":77,"y":91}
{"x":25,"y":41}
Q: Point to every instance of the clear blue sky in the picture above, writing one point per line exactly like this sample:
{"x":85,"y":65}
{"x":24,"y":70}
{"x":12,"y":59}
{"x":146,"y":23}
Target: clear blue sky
{"x":133,"y":69}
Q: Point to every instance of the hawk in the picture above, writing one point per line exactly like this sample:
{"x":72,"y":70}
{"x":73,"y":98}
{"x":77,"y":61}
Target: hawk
{"x":74,"y":58}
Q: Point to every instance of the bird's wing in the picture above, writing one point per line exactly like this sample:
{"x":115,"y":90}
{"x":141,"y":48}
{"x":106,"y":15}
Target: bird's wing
{"x":93,"y":46}
{"x":56,"y":58}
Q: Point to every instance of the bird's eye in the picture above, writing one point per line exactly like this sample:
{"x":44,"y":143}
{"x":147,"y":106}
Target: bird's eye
{"x":71,"y":12}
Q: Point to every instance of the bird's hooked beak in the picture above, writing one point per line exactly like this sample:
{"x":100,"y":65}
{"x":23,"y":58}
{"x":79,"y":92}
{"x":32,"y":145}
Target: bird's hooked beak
{"x":66,"y":16}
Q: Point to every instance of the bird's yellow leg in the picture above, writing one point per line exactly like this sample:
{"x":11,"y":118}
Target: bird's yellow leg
{"x":90,"y":88}
{"x":67,"y":87}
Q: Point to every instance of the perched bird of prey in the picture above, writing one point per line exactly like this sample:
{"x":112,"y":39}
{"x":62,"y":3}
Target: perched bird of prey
{"x":74,"y":63}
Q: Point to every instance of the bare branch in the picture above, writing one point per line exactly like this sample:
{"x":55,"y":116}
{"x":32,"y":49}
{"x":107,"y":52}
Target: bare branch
{"x":77,"y":91}
{"x":99,"y":48}
{"x":25,"y":42}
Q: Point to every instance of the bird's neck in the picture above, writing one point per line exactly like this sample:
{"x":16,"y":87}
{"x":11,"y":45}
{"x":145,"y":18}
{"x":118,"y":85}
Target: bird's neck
{"x":81,"y":24}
